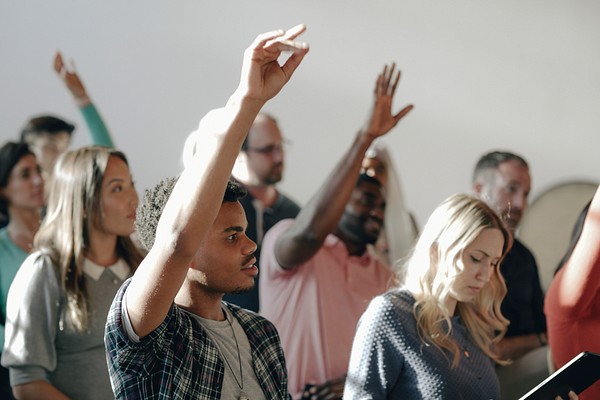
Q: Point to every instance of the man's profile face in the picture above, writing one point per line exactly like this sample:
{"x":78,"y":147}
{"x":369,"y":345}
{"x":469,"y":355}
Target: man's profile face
{"x":225,"y":261}
{"x":364,"y":214}
{"x":265,"y":153}
{"x":507,"y":191}
{"x":47,"y":147}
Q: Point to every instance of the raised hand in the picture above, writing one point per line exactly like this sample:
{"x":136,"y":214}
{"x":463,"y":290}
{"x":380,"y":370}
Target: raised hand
{"x":381,"y":120}
{"x":262,"y":76}
{"x":70,"y":78}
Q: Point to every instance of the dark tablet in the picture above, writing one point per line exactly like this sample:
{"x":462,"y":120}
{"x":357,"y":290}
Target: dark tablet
{"x":576,"y":375}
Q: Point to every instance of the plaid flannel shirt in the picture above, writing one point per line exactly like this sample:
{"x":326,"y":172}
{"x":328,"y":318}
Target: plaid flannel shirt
{"x":178,"y":360}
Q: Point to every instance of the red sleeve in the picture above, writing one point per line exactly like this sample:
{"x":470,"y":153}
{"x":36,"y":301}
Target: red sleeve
{"x":575,"y":286}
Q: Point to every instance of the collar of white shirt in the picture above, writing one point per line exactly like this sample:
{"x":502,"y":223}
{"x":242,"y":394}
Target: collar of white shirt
{"x":120,"y":269}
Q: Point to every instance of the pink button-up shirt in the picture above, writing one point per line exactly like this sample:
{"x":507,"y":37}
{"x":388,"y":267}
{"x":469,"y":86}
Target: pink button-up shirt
{"x":317,"y":305}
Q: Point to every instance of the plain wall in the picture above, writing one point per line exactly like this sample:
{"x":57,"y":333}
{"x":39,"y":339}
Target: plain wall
{"x":522,"y":75}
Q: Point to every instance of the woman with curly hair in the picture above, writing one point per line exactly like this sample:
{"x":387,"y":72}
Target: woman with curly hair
{"x":434,"y":336}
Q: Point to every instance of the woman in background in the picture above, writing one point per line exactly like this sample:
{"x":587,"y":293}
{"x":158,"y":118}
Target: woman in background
{"x":59,"y":300}
{"x":572,"y":303}
{"x":21,"y":201}
{"x":434,"y":336}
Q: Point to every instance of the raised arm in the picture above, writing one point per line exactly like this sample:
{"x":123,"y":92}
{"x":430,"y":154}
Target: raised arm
{"x":97,"y":127}
{"x":321,"y":215}
{"x":198,"y":193}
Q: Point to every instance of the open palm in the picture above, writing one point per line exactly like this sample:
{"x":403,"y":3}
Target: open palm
{"x":265,"y":77}
{"x":382,"y":120}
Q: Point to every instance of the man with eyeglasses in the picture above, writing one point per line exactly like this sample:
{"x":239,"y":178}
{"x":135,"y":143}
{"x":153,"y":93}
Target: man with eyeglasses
{"x":263,"y":155}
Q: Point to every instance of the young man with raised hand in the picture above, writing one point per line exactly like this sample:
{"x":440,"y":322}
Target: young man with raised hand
{"x":168,"y":334}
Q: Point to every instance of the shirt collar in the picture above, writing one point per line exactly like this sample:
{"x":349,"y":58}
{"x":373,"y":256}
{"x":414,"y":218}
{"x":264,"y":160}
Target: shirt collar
{"x":120,"y":269}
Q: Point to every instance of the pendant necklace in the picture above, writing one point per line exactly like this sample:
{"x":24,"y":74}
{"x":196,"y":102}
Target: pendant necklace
{"x":237,"y":347}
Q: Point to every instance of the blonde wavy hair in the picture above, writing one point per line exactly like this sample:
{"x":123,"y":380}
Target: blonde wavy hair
{"x":435,"y":262}
{"x":74,"y":201}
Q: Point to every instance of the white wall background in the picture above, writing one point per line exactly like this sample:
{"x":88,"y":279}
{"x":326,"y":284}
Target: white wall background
{"x":522,"y":75}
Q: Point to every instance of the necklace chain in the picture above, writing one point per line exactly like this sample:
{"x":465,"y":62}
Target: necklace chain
{"x":237,"y":347}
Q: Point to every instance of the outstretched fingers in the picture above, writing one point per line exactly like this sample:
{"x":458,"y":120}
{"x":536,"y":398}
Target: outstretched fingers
{"x":379,"y":84}
{"x":388,"y":78}
{"x":395,"y":84}
{"x":403,"y":112}
{"x":389,"y":87}
{"x":290,"y":34}
{"x":280,"y":38}
{"x":387,"y":83}
{"x":384,"y":85}
{"x":262,"y":39}
{"x":262,"y":75}
{"x":61,"y":68}
{"x":294,"y":60}
{"x":285,"y":42}
{"x":59,"y":65}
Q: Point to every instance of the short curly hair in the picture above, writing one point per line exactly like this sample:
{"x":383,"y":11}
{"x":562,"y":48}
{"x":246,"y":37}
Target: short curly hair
{"x":155,"y":199}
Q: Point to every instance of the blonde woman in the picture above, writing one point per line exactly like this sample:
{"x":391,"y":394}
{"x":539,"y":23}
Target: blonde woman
{"x":434,"y":336}
{"x":59,"y":299}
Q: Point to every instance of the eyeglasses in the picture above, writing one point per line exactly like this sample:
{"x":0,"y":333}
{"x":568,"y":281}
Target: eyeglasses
{"x":270,"y":149}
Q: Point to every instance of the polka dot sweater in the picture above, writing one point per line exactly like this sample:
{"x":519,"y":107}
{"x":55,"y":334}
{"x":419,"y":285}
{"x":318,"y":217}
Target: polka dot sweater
{"x":389,"y":361}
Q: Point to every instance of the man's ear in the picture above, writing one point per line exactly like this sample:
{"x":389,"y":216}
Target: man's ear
{"x":477,"y":188}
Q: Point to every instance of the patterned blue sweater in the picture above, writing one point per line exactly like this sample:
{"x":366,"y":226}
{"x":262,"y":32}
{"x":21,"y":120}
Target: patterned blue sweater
{"x":389,"y":361}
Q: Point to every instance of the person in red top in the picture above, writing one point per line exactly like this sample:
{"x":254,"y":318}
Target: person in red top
{"x":572,"y":303}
